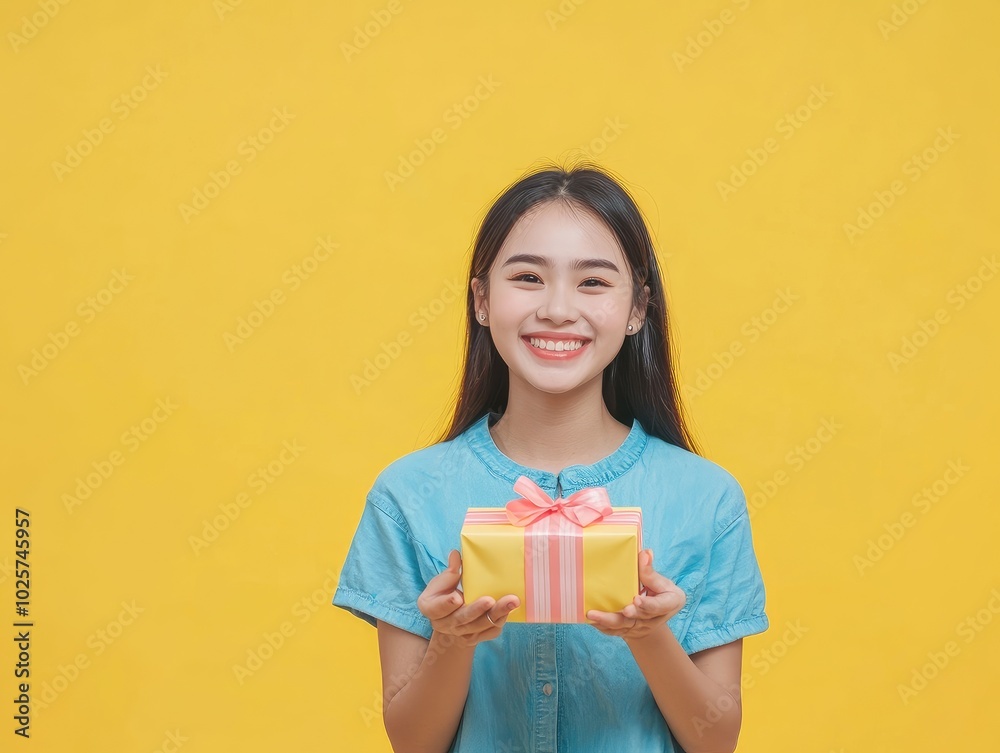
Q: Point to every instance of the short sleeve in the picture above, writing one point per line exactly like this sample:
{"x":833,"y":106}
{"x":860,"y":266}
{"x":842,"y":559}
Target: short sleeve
{"x":385,"y":569}
{"x":732,"y":601}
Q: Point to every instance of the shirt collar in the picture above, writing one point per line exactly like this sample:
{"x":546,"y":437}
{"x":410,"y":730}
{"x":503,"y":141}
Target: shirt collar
{"x":571,"y":478}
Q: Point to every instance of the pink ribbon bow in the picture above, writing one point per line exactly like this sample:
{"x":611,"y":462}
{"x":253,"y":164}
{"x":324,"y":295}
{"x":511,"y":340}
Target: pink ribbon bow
{"x":582,"y":507}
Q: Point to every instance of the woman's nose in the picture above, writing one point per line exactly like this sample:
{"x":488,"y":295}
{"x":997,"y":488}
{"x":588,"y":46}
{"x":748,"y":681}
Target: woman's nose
{"x":558,"y":304}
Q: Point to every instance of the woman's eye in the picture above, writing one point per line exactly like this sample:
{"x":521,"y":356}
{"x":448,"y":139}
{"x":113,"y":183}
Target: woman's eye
{"x":521,"y":277}
{"x":599,"y":282}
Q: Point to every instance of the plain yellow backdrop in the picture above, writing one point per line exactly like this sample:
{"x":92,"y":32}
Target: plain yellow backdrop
{"x":218,"y":217}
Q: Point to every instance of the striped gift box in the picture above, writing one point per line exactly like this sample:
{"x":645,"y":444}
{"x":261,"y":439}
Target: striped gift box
{"x":561,"y":557}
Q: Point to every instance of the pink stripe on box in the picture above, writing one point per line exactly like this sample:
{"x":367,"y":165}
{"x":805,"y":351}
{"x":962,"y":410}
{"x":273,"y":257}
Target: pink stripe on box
{"x":554,"y":570}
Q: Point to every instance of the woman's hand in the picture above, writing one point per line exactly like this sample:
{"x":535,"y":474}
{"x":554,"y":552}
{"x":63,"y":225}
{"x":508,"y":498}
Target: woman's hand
{"x":444,"y":605}
{"x":647,"y":612}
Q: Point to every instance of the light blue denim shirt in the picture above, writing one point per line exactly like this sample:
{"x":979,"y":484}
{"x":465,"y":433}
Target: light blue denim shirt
{"x":559,"y":688}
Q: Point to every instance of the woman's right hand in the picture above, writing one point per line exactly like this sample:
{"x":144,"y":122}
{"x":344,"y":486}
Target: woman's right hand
{"x":444,"y":605}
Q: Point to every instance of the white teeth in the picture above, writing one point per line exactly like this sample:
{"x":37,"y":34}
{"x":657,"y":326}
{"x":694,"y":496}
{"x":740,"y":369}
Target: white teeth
{"x":556,"y":345}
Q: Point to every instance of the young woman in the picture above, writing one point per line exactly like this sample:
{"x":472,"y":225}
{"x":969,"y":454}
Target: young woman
{"x":568,"y":380}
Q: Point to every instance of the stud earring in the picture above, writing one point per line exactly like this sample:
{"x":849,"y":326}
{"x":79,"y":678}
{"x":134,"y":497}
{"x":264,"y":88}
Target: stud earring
{"x":482,"y":316}
{"x":630,"y":328}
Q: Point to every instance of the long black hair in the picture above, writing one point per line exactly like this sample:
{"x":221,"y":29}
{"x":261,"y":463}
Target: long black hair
{"x":640,"y":382}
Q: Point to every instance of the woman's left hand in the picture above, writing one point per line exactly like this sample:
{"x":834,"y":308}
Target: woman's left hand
{"x":647,"y":612}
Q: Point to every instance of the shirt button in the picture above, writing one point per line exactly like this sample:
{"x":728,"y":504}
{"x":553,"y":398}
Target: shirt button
{"x":547,"y":688}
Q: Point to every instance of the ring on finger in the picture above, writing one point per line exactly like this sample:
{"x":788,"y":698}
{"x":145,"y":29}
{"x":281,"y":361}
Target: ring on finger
{"x":491,"y":620}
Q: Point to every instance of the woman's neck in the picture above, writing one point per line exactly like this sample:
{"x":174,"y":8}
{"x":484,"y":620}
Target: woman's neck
{"x":551,"y":437}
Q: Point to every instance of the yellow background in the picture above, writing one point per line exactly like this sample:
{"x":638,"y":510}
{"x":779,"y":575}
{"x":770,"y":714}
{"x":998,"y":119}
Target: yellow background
{"x":608,"y":80}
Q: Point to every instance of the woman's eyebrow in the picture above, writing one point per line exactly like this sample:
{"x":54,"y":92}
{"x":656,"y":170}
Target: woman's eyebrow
{"x":544,"y":261}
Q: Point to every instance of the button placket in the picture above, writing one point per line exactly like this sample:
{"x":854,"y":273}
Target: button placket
{"x":545,"y":667}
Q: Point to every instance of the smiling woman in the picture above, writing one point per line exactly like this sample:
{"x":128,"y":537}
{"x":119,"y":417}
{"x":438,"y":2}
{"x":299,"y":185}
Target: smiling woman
{"x":527,"y":288}
{"x":568,"y":381}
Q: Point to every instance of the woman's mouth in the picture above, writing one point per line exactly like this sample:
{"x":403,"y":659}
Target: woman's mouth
{"x":558,"y":349}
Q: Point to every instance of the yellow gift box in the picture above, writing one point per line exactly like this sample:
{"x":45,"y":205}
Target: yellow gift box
{"x":560,"y":557}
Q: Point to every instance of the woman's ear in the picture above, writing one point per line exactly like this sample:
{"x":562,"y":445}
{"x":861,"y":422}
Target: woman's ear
{"x":479,"y":302}
{"x":639,"y":312}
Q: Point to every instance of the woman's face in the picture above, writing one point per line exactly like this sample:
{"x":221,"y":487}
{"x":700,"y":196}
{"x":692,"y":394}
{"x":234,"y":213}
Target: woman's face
{"x":560,"y":298}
